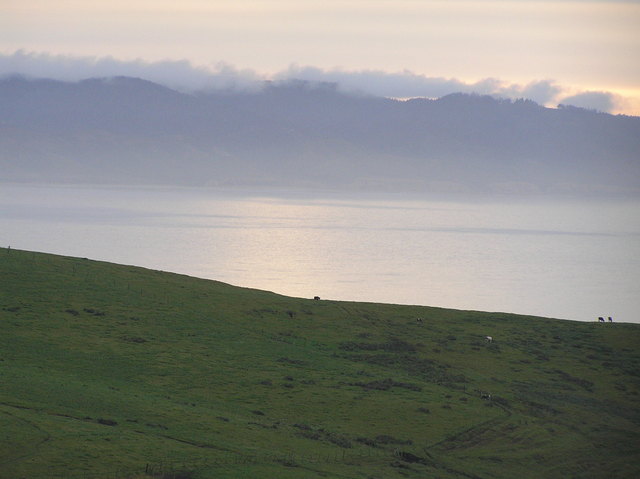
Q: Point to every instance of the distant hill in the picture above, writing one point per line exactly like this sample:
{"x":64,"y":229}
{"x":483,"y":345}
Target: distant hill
{"x":111,"y":371}
{"x":127,"y":130}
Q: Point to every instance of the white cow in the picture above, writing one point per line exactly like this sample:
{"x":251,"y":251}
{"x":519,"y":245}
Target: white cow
{"x":488,"y":339}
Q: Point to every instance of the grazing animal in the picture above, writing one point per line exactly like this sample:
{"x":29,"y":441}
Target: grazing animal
{"x":601,"y":319}
{"x":316,"y":298}
{"x":610,"y":319}
{"x":419,"y":320}
{"x":486,"y":396}
{"x":488,"y":339}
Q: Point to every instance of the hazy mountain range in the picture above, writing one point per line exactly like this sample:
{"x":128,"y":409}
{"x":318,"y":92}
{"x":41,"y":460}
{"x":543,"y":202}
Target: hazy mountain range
{"x":130,"y":131}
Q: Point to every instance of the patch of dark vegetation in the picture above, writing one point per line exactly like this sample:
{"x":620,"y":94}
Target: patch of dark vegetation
{"x":287,"y":463}
{"x":310,"y":434}
{"x":265,"y":310}
{"x":583,"y":383}
{"x":221,"y":418}
{"x":366,"y":441}
{"x":491,"y":458}
{"x":134,"y":339}
{"x":257,"y":412}
{"x":107,"y":422}
{"x":93,"y":311}
{"x":384,"y":440}
{"x":266,"y":382}
{"x":424,"y":368}
{"x":181,"y":475}
{"x":395,"y":345}
{"x":410,"y":458}
{"x":320,"y":434}
{"x":297,"y":362}
{"x":501,"y":401}
{"x":173,"y":474}
{"x":339,"y":440}
{"x":264,"y":426}
{"x":159,"y":426}
{"x":72,"y":312}
{"x":304,"y":427}
{"x":424,"y":410}
{"x":12,"y":309}
{"x":369,"y":316}
{"x":538,"y":409}
{"x":540,"y":355}
{"x":386,"y":384}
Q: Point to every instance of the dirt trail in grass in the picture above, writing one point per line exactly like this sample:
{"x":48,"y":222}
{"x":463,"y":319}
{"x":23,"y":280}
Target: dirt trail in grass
{"x":475,"y":431}
{"x":33,"y":446}
{"x":463,"y":439}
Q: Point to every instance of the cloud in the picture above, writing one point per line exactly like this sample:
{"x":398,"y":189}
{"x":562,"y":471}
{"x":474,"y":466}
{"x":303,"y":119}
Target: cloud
{"x":183,"y":75}
{"x":542,"y":92}
{"x":407,"y":84}
{"x":178,"y":74}
{"x":593,"y":100}
{"x":375,"y":82}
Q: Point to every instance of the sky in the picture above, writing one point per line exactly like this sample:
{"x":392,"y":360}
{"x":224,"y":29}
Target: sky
{"x":581,"y":52}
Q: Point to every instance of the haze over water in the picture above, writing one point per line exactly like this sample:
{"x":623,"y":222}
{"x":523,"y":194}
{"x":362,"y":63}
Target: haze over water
{"x":569,"y":258}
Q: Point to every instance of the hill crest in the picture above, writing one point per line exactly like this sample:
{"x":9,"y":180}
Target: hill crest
{"x":126,"y":130}
{"x":121,"y":371}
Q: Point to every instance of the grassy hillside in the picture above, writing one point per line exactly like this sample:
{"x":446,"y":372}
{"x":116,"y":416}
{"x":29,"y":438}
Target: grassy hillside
{"x":111,"y":371}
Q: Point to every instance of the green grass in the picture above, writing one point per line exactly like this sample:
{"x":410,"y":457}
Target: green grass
{"x":109,"y":370}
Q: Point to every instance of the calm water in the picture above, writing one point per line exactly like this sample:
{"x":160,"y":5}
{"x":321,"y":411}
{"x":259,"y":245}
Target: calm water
{"x":566,"y":259}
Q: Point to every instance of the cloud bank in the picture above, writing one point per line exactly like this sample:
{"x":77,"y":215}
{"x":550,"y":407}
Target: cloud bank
{"x":184,"y":76}
{"x":178,"y":74}
{"x":594,"y":100}
{"x":409,"y":85}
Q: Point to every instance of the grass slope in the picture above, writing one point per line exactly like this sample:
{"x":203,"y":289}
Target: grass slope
{"x":111,"y":371}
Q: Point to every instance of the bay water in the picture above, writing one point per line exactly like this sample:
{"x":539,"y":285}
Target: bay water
{"x":565,"y":258}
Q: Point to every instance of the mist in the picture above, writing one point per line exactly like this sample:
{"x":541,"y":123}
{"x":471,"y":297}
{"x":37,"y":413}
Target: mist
{"x":184,"y":76}
{"x":286,"y":133}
